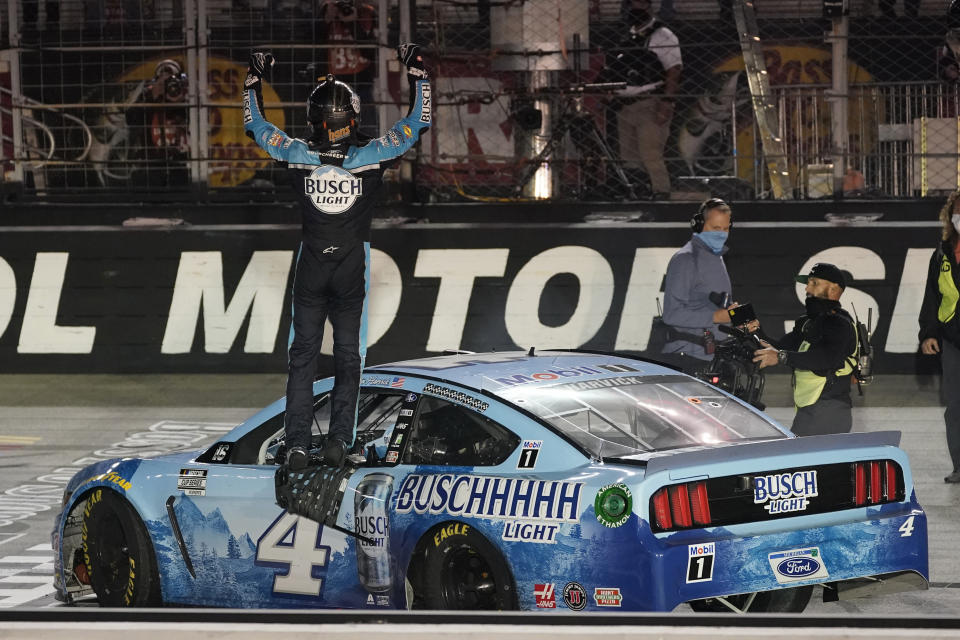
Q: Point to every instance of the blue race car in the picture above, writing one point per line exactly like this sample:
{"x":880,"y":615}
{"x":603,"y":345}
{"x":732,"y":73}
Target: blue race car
{"x":561,"y":480}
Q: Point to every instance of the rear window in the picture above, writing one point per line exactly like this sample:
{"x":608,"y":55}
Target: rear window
{"x":628,"y":415}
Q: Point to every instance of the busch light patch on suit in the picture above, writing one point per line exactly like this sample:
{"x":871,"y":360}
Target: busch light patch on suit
{"x":797,"y":565}
{"x":491,"y":497}
{"x":332,"y":189}
{"x":425,"y":103}
{"x":785,"y":492}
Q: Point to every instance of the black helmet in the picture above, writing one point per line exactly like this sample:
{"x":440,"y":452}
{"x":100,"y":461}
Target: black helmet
{"x":333,"y":114}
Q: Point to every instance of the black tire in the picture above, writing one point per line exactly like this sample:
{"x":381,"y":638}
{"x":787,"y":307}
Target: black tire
{"x":791,"y":600}
{"x":464,"y":571}
{"x":118,"y":553}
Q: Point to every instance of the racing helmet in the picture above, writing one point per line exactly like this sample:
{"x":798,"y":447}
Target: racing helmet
{"x":333,"y":114}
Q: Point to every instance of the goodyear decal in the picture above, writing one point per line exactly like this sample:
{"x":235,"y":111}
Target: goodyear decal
{"x":491,"y":497}
{"x":112,"y":477}
{"x":454,"y":529}
{"x":457,"y":396}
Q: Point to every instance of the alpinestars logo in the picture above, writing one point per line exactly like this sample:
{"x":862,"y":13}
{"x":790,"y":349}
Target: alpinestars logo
{"x":545,"y":596}
{"x":332,"y":189}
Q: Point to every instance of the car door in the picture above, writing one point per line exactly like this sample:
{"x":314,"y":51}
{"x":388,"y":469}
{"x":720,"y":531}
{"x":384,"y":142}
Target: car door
{"x":242,"y":549}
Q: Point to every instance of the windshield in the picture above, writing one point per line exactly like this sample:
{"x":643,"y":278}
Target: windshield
{"x":637,"y":414}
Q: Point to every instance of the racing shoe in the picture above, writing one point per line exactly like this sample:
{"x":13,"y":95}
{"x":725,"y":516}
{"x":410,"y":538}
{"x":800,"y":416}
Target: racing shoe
{"x":297,"y":459}
{"x":953,"y":478}
{"x":334,"y":452}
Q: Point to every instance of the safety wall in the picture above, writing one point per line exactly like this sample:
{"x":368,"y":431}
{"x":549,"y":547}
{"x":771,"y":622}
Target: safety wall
{"x":216,"y":298}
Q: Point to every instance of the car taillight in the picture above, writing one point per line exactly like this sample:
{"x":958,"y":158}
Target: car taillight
{"x":681,"y":506}
{"x":876,"y":482}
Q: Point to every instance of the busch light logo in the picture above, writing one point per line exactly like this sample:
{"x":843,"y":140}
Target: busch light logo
{"x":798,"y":567}
{"x":332,"y":189}
{"x":785,"y":492}
{"x":798,"y":564}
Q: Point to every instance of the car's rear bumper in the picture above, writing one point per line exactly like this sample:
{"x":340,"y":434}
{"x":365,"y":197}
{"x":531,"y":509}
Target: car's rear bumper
{"x":892,"y":539}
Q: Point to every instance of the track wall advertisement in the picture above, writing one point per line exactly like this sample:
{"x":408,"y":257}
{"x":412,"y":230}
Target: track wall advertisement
{"x":217,"y":298}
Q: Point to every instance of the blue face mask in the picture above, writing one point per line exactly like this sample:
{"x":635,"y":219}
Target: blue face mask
{"x":713,"y":239}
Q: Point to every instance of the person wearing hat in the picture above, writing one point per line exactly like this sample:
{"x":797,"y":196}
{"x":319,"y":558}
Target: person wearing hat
{"x":940,"y":322}
{"x":822,"y":349}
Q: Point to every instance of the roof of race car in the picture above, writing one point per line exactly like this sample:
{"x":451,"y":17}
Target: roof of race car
{"x":503,"y":370}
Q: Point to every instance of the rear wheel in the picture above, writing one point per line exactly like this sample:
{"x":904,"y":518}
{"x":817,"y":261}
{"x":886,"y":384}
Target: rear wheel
{"x":117,"y":553}
{"x":462,"y":570}
{"x":792,"y":600}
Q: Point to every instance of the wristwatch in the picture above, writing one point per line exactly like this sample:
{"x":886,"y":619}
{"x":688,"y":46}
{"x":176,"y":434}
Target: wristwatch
{"x":781,"y":357}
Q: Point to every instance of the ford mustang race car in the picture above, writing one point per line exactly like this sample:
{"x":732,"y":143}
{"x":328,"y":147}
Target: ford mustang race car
{"x":543,"y":482}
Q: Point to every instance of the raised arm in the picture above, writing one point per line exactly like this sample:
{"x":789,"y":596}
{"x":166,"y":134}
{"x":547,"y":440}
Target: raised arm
{"x":259,"y":129}
{"x":404,"y":134}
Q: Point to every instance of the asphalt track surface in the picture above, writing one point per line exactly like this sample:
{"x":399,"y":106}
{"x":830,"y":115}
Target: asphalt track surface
{"x":49,"y":422}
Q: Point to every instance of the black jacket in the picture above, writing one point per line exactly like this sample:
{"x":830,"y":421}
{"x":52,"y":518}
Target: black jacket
{"x":832,"y":339}
{"x":930,"y":325}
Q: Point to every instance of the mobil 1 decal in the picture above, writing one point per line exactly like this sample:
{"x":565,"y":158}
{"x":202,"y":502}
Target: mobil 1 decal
{"x":528,"y":454}
{"x":700,"y":562}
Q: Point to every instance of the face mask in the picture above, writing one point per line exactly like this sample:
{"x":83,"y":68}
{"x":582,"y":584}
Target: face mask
{"x":713,"y":239}
{"x":955,"y":219}
{"x":817,"y":306}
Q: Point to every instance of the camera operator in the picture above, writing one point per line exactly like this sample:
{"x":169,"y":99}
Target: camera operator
{"x":162,"y":128}
{"x":650,"y":62}
{"x":822,"y":349}
{"x":696,"y":293}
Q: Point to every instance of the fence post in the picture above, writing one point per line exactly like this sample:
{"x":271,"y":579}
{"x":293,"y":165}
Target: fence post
{"x":194,"y":95}
{"x":840,"y":100}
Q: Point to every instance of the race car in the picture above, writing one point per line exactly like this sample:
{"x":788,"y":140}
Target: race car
{"x":548,"y":481}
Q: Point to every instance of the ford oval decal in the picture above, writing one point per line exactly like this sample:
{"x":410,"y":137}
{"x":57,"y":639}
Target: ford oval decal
{"x":798,"y":567}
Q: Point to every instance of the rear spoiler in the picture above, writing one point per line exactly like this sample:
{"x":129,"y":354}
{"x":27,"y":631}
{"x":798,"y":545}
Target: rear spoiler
{"x":753,"y":450}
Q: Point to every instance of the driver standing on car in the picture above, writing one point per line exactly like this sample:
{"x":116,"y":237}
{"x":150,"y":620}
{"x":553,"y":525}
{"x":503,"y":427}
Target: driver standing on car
{"x":696,"y":292}
{"x":822,"y":349}
{"x":336,"y":176}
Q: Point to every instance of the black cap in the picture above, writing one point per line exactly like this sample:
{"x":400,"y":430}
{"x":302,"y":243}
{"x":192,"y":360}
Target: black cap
{"x":825,"y":271}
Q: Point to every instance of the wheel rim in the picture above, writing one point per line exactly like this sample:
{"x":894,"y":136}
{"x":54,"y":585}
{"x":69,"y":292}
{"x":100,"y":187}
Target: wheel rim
{"x":113,"y":558}
{"x":468,"y":581}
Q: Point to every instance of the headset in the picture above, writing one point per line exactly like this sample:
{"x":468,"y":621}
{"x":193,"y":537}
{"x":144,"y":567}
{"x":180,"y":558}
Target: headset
{"x":700,"y":217}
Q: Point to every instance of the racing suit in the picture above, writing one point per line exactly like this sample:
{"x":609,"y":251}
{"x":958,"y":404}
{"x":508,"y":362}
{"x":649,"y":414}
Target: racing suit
{"x":939,"y":318}
{"x":694,"y":272}
{"x":336,"y":190}
{"x":822,"y":350}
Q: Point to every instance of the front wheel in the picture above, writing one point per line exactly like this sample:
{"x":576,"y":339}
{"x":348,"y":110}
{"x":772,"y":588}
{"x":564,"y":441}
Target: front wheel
{"x":462,"y":570}
{"x":118,"y":553}
{"x":792,"y":600}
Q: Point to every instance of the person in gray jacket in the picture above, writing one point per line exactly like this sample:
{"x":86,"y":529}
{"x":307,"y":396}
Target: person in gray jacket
{"x":697,"y":291}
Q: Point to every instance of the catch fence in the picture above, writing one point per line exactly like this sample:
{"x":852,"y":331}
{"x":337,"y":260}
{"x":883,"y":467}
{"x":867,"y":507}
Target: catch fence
{"x":128,"y":99}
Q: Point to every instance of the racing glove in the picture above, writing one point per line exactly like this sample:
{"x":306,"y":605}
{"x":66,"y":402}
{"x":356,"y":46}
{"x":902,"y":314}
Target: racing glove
{"x":256,"y":67}
{"x":409,"y":55}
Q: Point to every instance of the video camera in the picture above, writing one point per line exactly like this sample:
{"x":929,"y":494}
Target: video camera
{"x":733,"y":369}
